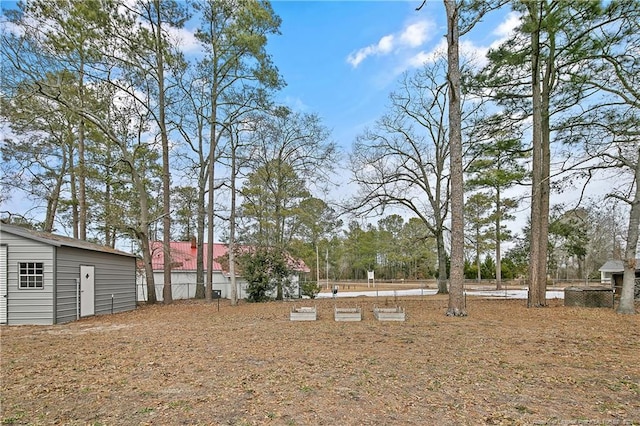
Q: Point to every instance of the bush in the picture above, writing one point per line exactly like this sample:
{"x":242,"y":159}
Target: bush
{"x":258,"y":291}
{"x":265,"y":271}
{"x":310,"y":288}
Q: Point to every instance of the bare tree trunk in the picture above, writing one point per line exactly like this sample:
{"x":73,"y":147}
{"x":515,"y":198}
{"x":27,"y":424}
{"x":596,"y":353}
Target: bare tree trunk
{"x":200,"y":292}
{"x":208,"y":291}
{"x":148,"y":268}
{"x":109,"y":234}
{"x":74,"y":193}
{"x":498,"y":241}
{"x":545,"y":181}
{"x":545,"y":189}
{"x":537,"y":283}
{"x":82,"y":167}
{"x":626,"y":305}
{"x":54,"y":197}
{"x":143,"y":234}
{"x":456,"y":288}
{"x":232,"y":229}
{"x":167,"y":296}
{"x":442,"y":264}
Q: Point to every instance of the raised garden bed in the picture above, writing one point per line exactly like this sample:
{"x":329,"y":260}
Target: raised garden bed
{"x":389,"y":314}
{"x":347,"y":314}
{"x":305,"y":313}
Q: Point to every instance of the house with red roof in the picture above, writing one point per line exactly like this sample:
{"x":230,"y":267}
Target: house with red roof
{"x":183,"y":271}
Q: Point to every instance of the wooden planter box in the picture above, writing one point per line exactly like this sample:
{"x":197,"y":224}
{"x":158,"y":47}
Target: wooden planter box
{"x":589,"y":297}
{"x":389,"y":314}
{"x":348,"y":314}
{"x":304,"y":314}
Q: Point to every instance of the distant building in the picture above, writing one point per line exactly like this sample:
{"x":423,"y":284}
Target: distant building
{"x":612,"y":273}
{"x":183,"y":272}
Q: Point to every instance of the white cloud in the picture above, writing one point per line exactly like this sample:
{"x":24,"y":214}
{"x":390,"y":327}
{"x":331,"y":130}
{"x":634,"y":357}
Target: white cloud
{"x":506,"y":28}
{"x":385,"y":45}
{"x":10,"y":27}
{"x":422,"y":57}
{"x":186,"y":40}
{"x":295,"y":103}
{"x":411,"y":36}
{"x":470,"y":51}
{"x":416,"y":34}
{"x":355,"y":58}
{"x":474,"y":53}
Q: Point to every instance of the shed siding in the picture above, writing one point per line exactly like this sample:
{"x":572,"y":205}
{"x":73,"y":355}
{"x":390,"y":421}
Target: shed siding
{"x":29,"y":306}
{"x":114,"y":275}
{"x":3,"y":283}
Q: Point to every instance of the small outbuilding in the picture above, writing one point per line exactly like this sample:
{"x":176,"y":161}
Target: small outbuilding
{"x":51,"y":279}
{"x":612,"y":272}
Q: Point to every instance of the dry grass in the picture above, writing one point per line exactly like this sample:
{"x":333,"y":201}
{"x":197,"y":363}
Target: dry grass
{"x":191,"y":364}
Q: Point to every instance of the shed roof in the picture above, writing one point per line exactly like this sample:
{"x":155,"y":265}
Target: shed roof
{"x":616,"y":266}
{"x":59,"y":240}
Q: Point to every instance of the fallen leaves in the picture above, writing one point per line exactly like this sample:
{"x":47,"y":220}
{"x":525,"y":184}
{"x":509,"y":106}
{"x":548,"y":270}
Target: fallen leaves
{"x":190,"y":364}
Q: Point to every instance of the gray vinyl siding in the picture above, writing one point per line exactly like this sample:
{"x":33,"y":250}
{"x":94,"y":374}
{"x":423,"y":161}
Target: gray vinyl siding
{"x":57,"y":301}
{"x":114,"y":275}
{"x":29,"y":306}
{"x":67,"y":287}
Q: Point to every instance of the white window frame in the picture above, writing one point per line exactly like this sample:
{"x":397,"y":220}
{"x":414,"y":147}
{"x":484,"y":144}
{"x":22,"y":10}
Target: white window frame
{"x":31,"y":273}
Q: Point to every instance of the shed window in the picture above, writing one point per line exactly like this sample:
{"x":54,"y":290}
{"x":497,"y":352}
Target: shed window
{"x":31,"y":275}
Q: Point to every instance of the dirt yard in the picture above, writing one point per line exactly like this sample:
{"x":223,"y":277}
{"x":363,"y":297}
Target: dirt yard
{"x":190,"y":364}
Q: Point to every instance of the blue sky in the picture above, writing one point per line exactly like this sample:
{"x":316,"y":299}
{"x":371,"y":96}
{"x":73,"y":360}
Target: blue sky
{"x":341,"y":59}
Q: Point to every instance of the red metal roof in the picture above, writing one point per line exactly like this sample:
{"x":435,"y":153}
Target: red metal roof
{"x":184,"y":257}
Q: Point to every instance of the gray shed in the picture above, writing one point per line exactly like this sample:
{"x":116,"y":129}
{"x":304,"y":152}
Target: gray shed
{"x":51,"y":279}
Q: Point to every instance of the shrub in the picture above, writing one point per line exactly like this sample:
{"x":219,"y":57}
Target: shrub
{"x":310,"y":288}
{"x":265,"y":271}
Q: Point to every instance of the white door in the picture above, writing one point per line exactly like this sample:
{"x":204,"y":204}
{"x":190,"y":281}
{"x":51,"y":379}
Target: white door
{"x":3,"y":285}
{"x":87,"y":291}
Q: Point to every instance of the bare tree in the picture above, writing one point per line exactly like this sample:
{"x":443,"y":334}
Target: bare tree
{"x":240,"y":112}
{"x":190,"y":120}
{"x":402,"y":160}
{"x":157,"y":57}
{"x":290,"y":154}
{"x":607,"y":126}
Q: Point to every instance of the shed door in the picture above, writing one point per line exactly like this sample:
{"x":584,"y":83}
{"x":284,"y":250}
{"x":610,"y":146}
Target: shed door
{"x":3,"y":285}
{"x":87,"y":290}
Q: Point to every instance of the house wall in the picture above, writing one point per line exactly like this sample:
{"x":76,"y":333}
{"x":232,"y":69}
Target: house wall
{"x":114,"y":275}
{"x":605,"y":277}
{"x":183,"y":285}
{"x":29,"y":306}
